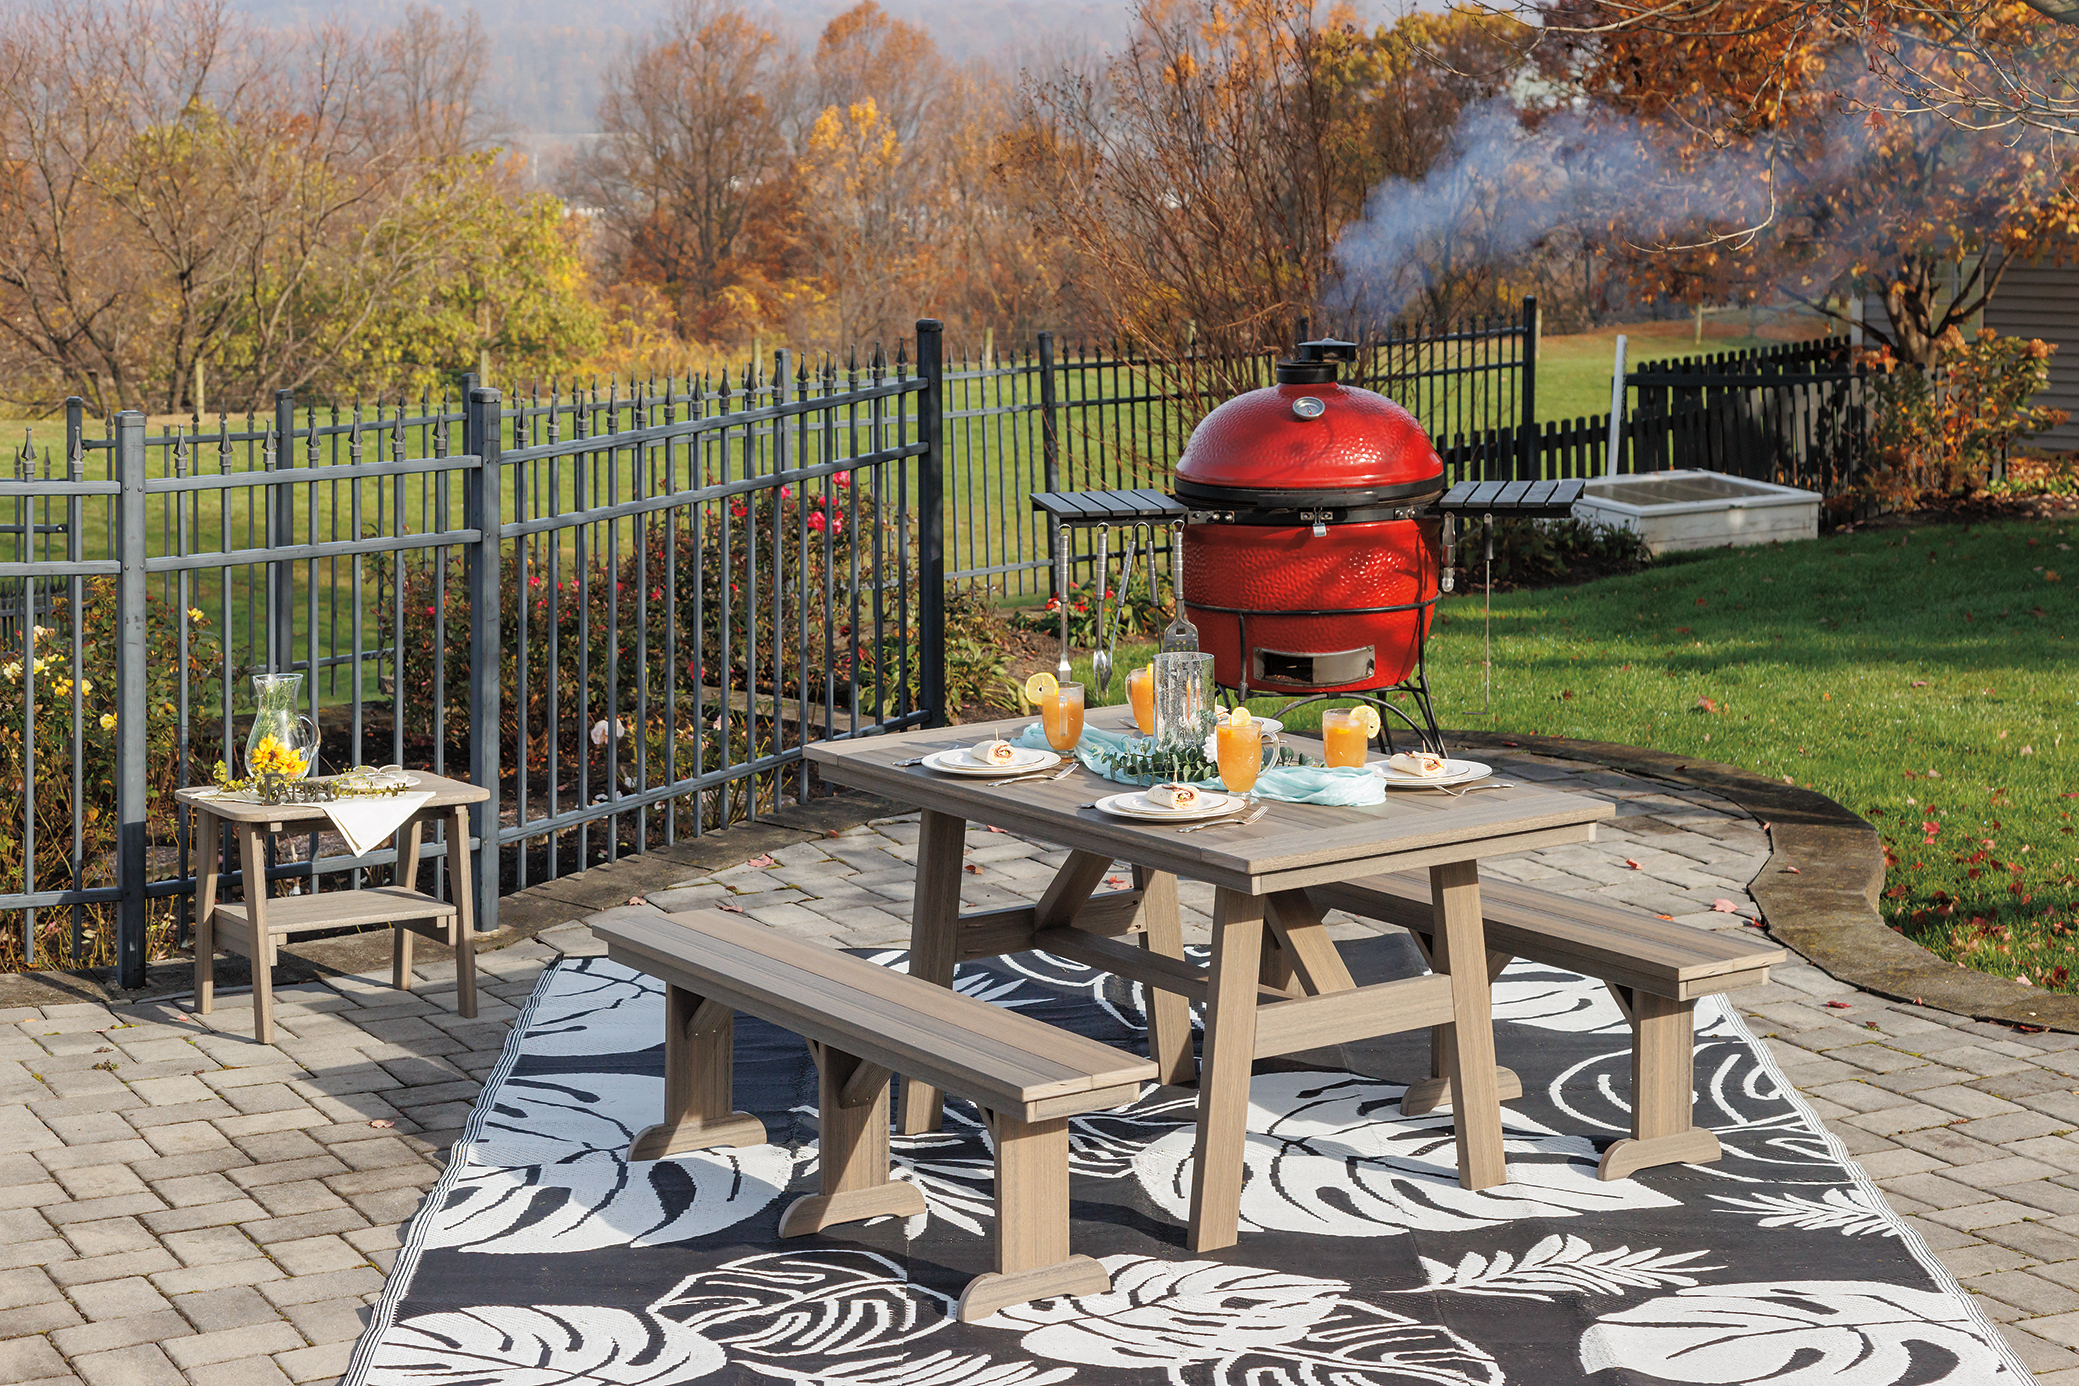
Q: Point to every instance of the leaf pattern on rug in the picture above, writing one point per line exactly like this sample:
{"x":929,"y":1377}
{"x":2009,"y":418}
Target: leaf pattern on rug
{"x":1795,"y":1333}
{"x":549,"y":1345}
{"x":1561,"y":1265}
{"x":1214,"y":1321}
{"x":549,"y":1173}
{"x":1329,"y":1154}
{"x":1848,"y":1211}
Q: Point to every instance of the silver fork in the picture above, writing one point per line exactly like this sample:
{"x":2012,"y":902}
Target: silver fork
{"x":1242,"y":821}
{"x":1050,"y":775}
{"x":1484,"y":784}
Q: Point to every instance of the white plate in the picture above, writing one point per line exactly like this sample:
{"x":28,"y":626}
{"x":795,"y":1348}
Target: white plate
{"x":1211,"y":804}
{"x":958,"y":762}
{"x":1456,"y":772}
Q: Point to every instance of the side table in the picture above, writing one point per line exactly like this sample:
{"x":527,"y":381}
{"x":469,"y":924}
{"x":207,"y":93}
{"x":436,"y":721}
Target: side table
{"x":256,"y":925}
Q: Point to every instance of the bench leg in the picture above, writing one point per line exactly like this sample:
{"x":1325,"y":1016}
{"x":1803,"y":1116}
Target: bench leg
{"x":1663,"y":1066}
{"x":934,"y":941}
{"x":1428,"y":1094}
{"x":699,"y":1047}
{"x":851,"y":1148}
{"x":1169,"y":1012}
{"x":1032,"y":1256}
{"x":462,"y":932}
{"x":406,"y":840}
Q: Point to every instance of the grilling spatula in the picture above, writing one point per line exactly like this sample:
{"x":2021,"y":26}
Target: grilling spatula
{"x":1179,"y":634}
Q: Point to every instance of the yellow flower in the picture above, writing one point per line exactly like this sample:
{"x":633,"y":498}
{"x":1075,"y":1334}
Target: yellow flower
{"x":13,"y":670}
{"x":108,"y":721}
{"x":86,"y":686}
{"x":42,"y":631}
{"x":195,"y":615}
{"x":271,"y":757}
{"x":41,"y":665}
{"x":61,"y":687}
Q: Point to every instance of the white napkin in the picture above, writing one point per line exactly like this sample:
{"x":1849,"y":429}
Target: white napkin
{"x":366,"y":823}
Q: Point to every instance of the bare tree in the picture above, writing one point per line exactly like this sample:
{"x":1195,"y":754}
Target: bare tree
{"x":179,"y":195}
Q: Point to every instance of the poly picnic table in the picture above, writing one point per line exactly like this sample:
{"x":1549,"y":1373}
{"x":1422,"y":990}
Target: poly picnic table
{"x":1276,"y":983}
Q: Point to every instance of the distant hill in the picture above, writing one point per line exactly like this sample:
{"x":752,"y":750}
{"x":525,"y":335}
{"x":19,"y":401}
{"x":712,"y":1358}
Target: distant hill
{"x":545,"y":69}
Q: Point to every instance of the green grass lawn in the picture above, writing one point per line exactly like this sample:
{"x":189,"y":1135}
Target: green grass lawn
{"x":1925,"y":678}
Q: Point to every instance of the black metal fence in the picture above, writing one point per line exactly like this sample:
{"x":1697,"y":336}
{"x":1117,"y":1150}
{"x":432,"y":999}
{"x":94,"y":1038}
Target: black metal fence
{"x":1079,"y":417}
{"x":628,"y":611}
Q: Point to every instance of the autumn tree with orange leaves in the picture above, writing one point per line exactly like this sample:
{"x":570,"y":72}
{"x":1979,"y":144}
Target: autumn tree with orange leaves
{"x":1785,"y":165}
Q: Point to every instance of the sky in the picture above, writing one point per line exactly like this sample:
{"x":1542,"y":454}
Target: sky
{"x":548,"y":54}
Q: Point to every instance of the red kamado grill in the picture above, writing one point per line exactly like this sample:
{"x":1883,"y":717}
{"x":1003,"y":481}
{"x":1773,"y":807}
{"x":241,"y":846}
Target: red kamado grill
{"x":1315,"y":521}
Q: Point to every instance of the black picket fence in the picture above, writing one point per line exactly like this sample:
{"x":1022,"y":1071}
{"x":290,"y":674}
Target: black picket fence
{"x":629,"y":612}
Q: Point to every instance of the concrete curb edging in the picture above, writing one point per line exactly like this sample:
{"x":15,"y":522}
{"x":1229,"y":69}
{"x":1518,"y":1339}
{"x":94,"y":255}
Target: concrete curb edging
{"x":1827,"y":911}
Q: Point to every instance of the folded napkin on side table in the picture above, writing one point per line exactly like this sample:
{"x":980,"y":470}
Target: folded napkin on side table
{"x":366,"y":823}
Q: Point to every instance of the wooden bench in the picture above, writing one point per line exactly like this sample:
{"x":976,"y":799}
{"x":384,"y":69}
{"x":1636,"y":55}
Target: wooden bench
{"x":863,"y":1025}
{"x":1655,"y":968}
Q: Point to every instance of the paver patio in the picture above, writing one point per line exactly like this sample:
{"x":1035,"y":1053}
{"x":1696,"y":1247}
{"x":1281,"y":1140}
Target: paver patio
{"x":178,"y":1204}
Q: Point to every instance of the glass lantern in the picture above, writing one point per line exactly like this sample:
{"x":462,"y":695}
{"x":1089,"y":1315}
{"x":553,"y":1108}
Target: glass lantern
{"x":1185,"y":699}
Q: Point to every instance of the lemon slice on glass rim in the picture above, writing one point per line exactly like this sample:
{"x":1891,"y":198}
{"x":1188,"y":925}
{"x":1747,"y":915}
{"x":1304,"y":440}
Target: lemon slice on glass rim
{"x":1040,"y":687}
{"x":1239,"y":717}
{"x":1368,"y":718}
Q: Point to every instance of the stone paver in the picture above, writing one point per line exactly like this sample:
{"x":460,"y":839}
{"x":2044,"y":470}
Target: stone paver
{"x":180,"y":1205}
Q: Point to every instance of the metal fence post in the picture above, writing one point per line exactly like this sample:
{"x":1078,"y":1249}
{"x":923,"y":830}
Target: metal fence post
{"x":1527,"y":431}
{"x":484,"y":513}
{"x":931,"y":519}
{"x":132,"y":803}
{"x":281,"y":531}
{"x":1050,"y":457}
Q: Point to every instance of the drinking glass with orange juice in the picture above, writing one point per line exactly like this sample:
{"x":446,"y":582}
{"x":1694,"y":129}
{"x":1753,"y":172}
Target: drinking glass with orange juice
{"x":1238,"y":744}
{"x":1060,"y":708}
{"x":1140,"y":691}
{"x":1346,"y":733}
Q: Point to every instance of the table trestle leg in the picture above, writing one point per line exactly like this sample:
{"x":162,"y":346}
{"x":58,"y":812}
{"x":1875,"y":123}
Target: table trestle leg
{"x":1223,"y":1087}
{"x":934,"y":941}
{"x":1469,"y":1045}
{"x":1428,"y":1094}
{"x":851,"y":1149}
{"x":1032,"y":1256}
{"x":1663,"y":1096}
{"x":1303,"y":939}
{"x":699,"y":1049}
{"x":1169,"y":1013}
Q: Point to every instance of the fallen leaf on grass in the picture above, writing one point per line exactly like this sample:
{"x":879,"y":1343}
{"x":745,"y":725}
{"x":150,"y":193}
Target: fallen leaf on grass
{"x":731,"y":909}
{"x":1920,"y":683}
{"x":382,"y":1123}
{"x":1724,"y":907}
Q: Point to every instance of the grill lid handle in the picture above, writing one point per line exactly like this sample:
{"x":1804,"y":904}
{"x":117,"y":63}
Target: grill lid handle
{"x":1315,"y":362}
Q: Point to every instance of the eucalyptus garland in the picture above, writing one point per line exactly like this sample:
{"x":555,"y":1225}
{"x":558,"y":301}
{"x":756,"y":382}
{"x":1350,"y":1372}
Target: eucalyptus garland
{"x":1142,"y":761}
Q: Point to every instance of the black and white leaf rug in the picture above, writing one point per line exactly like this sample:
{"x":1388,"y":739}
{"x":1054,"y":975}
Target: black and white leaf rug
{"x":543,"y":1258}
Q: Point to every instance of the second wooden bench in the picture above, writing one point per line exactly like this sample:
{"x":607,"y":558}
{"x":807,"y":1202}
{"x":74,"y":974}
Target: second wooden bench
{"x":1655,"y":968}
{"x":864,"y":1024}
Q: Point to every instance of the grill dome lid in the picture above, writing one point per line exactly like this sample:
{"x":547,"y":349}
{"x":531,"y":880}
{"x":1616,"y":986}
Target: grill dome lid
{"x":1308,"y":441}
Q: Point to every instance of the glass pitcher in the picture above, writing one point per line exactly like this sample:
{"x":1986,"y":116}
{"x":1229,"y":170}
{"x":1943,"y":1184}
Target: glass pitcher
{"x":1184,"y":699}
{"x":282,"y":740}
